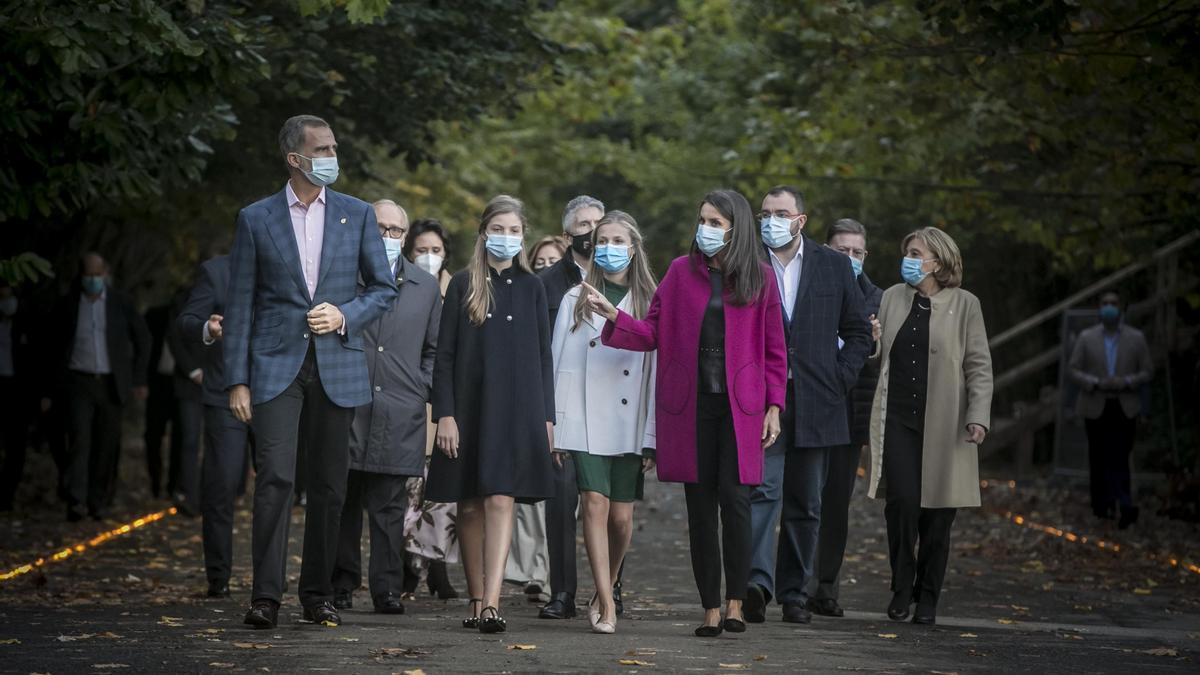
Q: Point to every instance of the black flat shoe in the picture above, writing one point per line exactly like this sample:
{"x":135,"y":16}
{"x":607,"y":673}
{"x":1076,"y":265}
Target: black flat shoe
{"x":708,"y":631}
{"x":755,"y":605}
{"x":617,"y":599}
{"x":491,"y":624}
{"x":796,"y":613}
{"x":262,"y":614}
{"x":343,"y":599}
{"x":218,"y":589}
{"x":389,"y":603}
{"x":898,"y":608}
{"x":561,"y":606}
{"x":734,"y":625}
{"x":825,"y":607}
{"x":472,"y":622}
{"x":925,"y":615}
{"x":323,"y":613}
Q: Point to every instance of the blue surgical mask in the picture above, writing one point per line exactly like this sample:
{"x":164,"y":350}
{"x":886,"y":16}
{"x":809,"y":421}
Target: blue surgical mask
{"x":776,"y":231}
{"x":710,"y":239}
{"x":393,"y":248}
{"x":93,"y":285}
{"x":324,"y":170}
{"x":612,"y":257}
{"x":504,"y":246}
{"x":1110,"y":313}
{"x":856,"y":265}
{"x":910,"y":270}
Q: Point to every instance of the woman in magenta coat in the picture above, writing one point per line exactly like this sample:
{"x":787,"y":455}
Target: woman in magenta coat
{"x":722,"y":367}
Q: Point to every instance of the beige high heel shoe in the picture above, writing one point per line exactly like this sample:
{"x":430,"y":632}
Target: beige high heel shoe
{"x":593,"y":610}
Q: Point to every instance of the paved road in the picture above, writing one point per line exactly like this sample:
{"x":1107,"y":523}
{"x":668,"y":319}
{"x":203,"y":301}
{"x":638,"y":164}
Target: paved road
{"x":1014,"y":600}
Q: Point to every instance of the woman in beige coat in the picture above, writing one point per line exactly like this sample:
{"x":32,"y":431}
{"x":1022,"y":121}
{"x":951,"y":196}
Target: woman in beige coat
{"x":932,"y":409}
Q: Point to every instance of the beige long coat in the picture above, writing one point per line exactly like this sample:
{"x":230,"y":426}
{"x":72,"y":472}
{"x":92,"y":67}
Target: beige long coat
{"x":959,"y":393}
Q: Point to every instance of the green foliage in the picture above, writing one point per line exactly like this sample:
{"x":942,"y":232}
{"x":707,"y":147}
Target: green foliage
{"x":26,"y":267}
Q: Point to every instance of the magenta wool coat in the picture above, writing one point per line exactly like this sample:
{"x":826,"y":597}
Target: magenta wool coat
{"x":755,"y":365}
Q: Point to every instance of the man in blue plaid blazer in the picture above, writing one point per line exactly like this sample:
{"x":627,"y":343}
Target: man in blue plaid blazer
{"x":294,"y":359}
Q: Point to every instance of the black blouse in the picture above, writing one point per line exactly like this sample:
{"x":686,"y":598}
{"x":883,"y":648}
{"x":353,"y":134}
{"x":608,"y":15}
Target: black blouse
{"x":908,"y":375}
{"x":712,"y":339}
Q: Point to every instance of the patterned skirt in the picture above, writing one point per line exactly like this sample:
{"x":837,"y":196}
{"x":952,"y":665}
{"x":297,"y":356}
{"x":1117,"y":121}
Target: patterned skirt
{"x":430,"y":529}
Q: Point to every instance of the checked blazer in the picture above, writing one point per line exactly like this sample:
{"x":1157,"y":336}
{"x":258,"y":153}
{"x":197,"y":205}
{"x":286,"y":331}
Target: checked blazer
{"x":829,"y":304}
{"x":266,"y":327}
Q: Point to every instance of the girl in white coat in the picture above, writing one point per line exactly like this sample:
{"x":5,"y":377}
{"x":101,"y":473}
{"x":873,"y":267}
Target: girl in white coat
{"x":605,"y":404}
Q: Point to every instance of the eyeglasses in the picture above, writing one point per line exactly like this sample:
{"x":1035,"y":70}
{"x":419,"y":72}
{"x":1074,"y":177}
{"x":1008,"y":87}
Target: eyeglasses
{"x":393,"y":232}
{"x":780,"y":214}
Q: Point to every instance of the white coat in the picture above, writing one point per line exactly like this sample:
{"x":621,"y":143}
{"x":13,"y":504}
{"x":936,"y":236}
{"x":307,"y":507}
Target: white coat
{"x":604,"y":396}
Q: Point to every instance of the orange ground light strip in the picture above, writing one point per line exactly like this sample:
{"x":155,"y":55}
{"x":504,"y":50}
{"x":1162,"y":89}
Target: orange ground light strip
{"x":90,"y":543}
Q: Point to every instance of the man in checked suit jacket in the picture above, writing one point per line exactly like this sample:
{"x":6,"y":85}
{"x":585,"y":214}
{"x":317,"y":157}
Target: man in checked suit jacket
{"x":293,"y":344}
{"x":821,"y":303}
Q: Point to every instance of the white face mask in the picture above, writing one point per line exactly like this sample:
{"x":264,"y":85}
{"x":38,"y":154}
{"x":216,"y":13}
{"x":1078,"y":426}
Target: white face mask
{"x":430,"y":262}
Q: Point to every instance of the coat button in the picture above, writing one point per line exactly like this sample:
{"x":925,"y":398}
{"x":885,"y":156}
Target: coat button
{"x":306,"y":336}
{"x":624,"y":401}
{"x":627,"y":372}
{"x":508,"y":318}
{"x":378,"y":388}
{"x":510,"y":282}
{"x":592,"y":343}
{"x":489,"y":315}
{"x":380,"y":347}
{"x":933,"y":349}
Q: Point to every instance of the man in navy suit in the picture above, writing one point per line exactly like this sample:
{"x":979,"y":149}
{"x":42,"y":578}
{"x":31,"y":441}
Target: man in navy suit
{"x":294,"y":360}
{"x":828,"y":340}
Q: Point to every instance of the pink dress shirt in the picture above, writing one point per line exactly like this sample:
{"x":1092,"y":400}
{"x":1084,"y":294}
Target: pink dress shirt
{"x":308,"y":223}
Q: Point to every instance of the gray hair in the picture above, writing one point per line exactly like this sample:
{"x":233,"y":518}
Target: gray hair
{"x":580,"y":202}
{"x":291,"y":135}
{"x":388,"y":202}
{"x":845,"y":226}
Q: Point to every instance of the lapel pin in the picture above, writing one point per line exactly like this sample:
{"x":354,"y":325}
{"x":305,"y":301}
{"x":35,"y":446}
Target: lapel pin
{"x":343,"y":221}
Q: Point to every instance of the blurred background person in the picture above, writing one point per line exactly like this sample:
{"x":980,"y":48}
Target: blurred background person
{"x":387,"y":437}
{"x":605,"y":409}
{"x":493,"y":398}
{"x":546,"y":253}
{"x":431,"y":537}
{"x":15,"y":368}
{"x":578,"y":221}
{"x":1110,"y":362}
{"x":848,"y":237}
{"x":716,"y":313}
{"x":932,"y":409}
{"x":103,"y":356}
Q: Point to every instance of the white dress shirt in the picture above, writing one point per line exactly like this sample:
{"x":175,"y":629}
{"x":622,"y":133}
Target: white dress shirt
{"x":90,"y":353}
{"x":787,"y":277}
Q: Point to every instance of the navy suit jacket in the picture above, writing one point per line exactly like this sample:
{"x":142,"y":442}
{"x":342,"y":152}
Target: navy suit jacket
{"x":207,"y":298}
{"x":829,"y":304}
{"x":266,"y":326}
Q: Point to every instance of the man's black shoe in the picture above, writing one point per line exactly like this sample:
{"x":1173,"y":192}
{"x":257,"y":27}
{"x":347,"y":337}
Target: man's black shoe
{"x":755,"y":606}
{"x":898,"y":608}
{"x":796,"y":613}
{"x":925,"y":615}
{"x":323,"y":613}
{"x":218,"y":589}
{"x":389,"y":603}
{"x":343,"y":599}
{"x":561,"y":606}
{"x":825,"y":607}
{"x":263,"y":614}
{"x":617,"y":599}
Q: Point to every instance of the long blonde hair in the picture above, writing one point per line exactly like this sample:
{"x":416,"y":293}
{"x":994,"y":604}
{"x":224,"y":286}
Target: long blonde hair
{"x":479,"y":296}
{"x":641,"y":280}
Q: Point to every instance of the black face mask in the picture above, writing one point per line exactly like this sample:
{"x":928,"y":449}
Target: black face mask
{"x":582,"y":244}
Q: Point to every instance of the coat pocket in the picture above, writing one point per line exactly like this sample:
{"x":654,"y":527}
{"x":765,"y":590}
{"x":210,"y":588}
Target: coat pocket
{"x":675,"y":387}
{"x":750,"y":389}
{"x":562,"y":395}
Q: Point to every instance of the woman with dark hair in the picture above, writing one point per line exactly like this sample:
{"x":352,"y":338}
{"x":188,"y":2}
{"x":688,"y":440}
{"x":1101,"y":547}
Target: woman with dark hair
{"x":718,"y":328}
{"x":428,"y":246}
{"x":493,"y":399}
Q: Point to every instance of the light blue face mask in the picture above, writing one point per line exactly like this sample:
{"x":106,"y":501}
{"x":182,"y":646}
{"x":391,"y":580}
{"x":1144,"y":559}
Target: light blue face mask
{"x":393,"y":248}
{"x":92,"y":285}
{"x":612,"y":258}
{"x":1109,"y":313}
{"x":776,"y":231}
{"x":856,"y":265}
{"x":503,"y":246}
{"x":710,"y":239}
{"x":910,"y":271}
{"x":324,"y":170}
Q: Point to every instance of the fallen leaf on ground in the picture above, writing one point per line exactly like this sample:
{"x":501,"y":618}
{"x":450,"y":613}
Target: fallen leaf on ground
{"x":634,"y":662}
{"x":760,"y":657}
{"x":1161,"y":651}
{"x":1006,"y":622}
{"x":385,"y":652}
{"x":10,"y":641}
{"x":733,"y":666}
{"x":222,"y":664}
{"x":251,"y":645}
{"x":75,"y":638}
{"x":170,"y":621}
{"x":415,"y":671}
{"x":968,"y":635}
{"x":888,"y":636}
{"x":522,"y":648}
{"x":1141,"y":591}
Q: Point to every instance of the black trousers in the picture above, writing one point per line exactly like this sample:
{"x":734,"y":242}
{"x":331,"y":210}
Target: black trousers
{"x":161,"y":411}
{"x":385,"y":498}
{"x":94,"y":440}
{"x":1110,"y":442}
{"x":718,"y":490}
{"x":302,"y":408}
{"x":835,"y":519}
{"x":13,"y":436}
{"x":221,"y":473}
{"x":560,"y":528}
{"x":916,"y":574}
{"x":189,"y":416}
